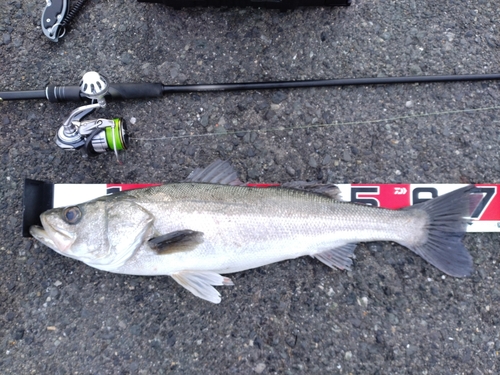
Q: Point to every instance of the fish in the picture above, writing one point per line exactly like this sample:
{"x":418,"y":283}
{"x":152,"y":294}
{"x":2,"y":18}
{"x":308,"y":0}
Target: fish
{"x":212,"y":224}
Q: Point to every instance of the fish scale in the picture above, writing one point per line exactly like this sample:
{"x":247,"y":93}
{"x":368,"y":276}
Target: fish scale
{"x":273,"y":212}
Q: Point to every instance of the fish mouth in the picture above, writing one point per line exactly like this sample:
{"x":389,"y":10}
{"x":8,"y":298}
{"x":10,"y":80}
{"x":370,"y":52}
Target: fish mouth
{"x":57,"y":239}
{"x":41,"y":235}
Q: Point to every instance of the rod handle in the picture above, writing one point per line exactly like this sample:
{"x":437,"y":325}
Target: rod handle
{"x":56,"y":94}
{"x":135,"y":90}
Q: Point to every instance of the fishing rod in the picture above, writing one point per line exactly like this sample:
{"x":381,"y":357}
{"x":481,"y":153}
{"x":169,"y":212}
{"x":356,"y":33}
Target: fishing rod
{"x":103,"y":135}
{"x":57,"y":94}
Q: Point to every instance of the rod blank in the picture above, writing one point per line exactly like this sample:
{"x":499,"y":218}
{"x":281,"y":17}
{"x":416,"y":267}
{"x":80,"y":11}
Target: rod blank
{"x":154,"y":90}
{"x":327,"y":82}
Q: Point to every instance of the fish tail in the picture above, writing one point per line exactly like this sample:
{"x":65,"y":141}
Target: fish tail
{"x":445,"y":228}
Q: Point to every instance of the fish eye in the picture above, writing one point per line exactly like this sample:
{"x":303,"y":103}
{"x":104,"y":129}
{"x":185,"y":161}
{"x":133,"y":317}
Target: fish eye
{"x":72,"y":215}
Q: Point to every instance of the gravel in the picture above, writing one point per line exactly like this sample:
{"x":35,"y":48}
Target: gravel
{"x":392,"y":314}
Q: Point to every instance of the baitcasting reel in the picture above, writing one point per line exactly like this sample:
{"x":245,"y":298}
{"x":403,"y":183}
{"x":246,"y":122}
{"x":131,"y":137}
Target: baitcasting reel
{"x":94,"y":136}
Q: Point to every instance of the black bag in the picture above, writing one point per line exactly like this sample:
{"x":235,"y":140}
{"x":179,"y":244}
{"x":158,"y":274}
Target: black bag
{"x":274,"y":4}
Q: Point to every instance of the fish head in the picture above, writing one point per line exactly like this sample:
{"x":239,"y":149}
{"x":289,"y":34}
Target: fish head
{"x":76,"y":231}
{"x":102,"y":233}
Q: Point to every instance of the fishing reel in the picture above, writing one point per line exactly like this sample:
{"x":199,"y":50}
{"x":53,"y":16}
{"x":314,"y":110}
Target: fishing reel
{"x":95,"y":136}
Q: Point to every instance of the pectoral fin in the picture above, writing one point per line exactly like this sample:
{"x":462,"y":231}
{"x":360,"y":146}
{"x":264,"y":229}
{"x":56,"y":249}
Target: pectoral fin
{"x":200,"y":283}
{"x":180,"y":240}
{"x":339,"y":257}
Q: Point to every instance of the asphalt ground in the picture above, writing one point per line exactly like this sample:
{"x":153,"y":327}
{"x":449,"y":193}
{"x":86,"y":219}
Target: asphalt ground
{"x":393,"y":314}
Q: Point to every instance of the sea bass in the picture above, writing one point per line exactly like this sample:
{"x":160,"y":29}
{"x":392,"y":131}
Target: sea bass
{"x":196,"y":230}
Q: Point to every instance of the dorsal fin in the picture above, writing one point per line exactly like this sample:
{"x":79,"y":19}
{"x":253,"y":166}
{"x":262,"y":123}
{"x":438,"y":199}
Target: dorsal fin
{"x":328,"y":190}
{"x":219,"y":172}
{"x":222,"y":172}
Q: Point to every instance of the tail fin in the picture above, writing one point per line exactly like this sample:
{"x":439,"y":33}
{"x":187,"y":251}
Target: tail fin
{"x":447,"y":225}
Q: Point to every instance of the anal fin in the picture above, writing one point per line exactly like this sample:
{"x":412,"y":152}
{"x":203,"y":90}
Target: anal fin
{"x":200,"y":283}
{"x":340,"y":257}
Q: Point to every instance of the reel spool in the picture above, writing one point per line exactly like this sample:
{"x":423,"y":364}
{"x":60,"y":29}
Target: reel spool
{"x":107,"y":137}
{"x":96,"y":136}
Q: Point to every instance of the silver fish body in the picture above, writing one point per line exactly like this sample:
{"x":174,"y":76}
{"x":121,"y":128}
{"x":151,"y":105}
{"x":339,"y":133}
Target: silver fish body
{"x":196,"y":231}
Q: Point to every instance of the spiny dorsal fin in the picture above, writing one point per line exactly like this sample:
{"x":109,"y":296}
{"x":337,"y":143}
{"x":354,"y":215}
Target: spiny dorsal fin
{"x":219,"y":172}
